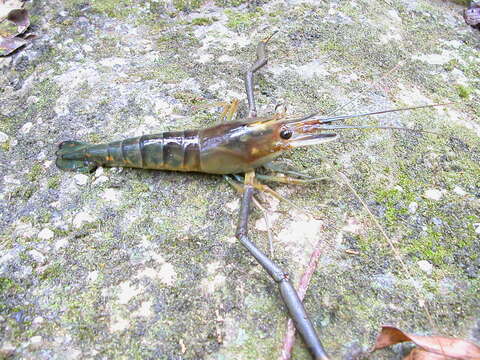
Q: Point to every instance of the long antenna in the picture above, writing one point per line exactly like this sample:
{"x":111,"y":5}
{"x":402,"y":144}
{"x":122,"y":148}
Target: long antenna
{"x":343,"y":117}
{"x":363,"y":127}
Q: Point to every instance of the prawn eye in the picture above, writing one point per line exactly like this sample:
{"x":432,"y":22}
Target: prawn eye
{"x":286,"y":134}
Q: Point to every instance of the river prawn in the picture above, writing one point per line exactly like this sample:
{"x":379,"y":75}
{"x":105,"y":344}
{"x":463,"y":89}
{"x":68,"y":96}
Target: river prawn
{"x":228,"y":148}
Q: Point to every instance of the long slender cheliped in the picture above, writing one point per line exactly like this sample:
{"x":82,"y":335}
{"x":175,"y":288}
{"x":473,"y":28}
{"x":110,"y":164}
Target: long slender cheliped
{"x":287,"y":291}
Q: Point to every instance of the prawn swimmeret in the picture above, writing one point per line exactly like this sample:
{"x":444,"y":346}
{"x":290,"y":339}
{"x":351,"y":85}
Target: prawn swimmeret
{"x":228,"y":148}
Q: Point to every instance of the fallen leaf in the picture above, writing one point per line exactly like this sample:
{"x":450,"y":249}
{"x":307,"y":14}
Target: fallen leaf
{"x":420,"y":354}
{"x":20,"y":18}
{"x":472,"y":15}
{"x":8,"y":5}
{"x":9,"y":45}
{"x":14,"y":21}
{"x":431,"y":347}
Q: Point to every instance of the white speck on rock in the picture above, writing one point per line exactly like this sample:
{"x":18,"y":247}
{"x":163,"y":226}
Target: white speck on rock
{"x":113,"y":62}
{"x":92,"y":276}
{"x":167,"y":274}
{"x":61,"y":243}
{"x":459,"y":191}
{"x":35,"y":342}
{"x":209,"y":286}
{"x":155,"y":256}
{"x":459,"y":118}
{"x":412,"y":207}
{"x":149,"y":273}
{"x":261,"y":225}
{"x":162,"y":107}
{"x":3,"y":138}
{"x":45,"y":234}
{"x":226,"y":58}
{"x":145,"y":309}
{"x":353,"y":226}
{"x":435,"y":59}
{"x":315,"y":68}
{"x":99,"y":172}
{"x":204,"y":58}
{"x":393,"y":14}
{"x":81,"y":179}
{"x":119,"y":324}
{"x":25,"y":230}
{"x":100,"y":180}
{"x":233,"y":205}
{"x":300,"y":235}
{"x":412,"y":95}
{"x":477,"y":228}
{"x":127,"y":292}
{"x":425,"y":266}
{"x":150,"y":121}
{"x":111,"y":195}
{"x":37,"y":256}
{"x":213,"y":267}
{"x":433,"y":194}
{"x":38,"y":320}
{"x":459,"y":77}
{"x":41,"y":156}
{"x":87,"y":48}
{"x":74,"y":354}
{"x":25,"y":129}
{"x":81,"y":218}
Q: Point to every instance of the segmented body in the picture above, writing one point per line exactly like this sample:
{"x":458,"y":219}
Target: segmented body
{"x":177,"y":150}
{"x":223,"y":149}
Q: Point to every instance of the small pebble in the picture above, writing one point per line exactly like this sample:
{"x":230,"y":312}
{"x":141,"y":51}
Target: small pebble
{"x":92,"y":276}
{"x":37,"y":256}
{"x":61,"y":243}
{"x":35,"y":342}
{"x":25,"y":129}
{"x":412,"y":207}
{"x":425,"y":266}
{"x":111,"y":195}
{"x":477,"y":228}
{"x":100,"y":180}
{"x":433,"y":194}
{"x":99,"y":172}
{"x":3,"y":137}
{"x":81,"y":179}
{"x":459,"y":191}
{"x":38,"y":320}
{"x":82,"y":218}
{"x":45,"y":234}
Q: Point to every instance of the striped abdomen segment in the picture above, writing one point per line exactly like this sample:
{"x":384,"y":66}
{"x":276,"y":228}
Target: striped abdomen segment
{"x":177,"y":150}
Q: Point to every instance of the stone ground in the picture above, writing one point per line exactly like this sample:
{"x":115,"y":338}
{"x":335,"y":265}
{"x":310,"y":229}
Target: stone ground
{"x":143,"y":264}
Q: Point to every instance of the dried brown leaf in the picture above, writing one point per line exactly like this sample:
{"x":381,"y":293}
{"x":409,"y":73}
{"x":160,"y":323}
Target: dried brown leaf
{"x":9,"y":45}
{"x":20,"y":18}
{"x":420,"y":354}
{"x":472,"y":15}
{"x":446,"y":347}
{"x":14,"y":21}
{"x":8,"y":5}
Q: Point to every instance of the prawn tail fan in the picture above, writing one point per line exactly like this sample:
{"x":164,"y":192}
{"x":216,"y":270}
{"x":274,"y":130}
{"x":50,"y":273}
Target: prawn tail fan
{"x":71,"y":157}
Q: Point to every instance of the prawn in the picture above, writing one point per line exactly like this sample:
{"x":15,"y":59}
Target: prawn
{"x":228,"y":148}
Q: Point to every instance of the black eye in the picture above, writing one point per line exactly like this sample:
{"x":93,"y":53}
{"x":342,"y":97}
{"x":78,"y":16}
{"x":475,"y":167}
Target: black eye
{"x":286,"y":134}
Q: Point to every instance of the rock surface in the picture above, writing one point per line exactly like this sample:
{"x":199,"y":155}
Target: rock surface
{"x":141,"y":264}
